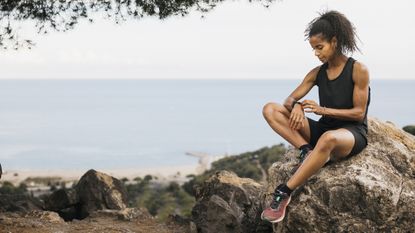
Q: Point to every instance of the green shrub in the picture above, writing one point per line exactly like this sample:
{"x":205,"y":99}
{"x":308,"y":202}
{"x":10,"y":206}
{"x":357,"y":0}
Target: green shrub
{"x":159,"y":200}
{"x":248,"y":165}
{"x":410,"y":129}
{"x":9,"y":188}
{"x":164,"y":200}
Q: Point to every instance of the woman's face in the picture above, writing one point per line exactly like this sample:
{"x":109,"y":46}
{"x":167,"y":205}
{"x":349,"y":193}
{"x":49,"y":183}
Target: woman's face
{"x":323,"y":49}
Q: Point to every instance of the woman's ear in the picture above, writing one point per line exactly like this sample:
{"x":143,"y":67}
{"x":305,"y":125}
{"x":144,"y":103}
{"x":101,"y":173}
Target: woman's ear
{"x":334,"y":42}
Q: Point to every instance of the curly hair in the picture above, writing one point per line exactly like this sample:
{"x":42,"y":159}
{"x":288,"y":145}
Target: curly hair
{"x":334,"y":24}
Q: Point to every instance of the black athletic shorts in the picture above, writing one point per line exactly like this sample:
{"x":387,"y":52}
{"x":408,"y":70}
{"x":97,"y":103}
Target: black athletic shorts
{"x":318,"y":128}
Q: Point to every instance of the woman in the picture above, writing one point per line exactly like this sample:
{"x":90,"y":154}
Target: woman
{"x":344,"y":97}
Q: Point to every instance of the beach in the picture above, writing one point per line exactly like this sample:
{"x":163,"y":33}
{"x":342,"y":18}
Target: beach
{"x":163,"y":174}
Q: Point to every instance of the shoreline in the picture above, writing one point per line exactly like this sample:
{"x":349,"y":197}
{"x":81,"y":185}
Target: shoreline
{"x":163,"y":173}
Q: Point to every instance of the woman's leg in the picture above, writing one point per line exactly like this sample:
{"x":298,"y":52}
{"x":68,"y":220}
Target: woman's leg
{"x":278,"y":117}
{"x":338,"y":142}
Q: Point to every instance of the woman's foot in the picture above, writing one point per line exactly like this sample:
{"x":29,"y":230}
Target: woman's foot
{"x":276,"y":212}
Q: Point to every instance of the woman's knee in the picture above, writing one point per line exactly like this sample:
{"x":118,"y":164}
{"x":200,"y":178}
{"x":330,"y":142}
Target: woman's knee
{"x":269,"y":110}
{"x":327,"y":141}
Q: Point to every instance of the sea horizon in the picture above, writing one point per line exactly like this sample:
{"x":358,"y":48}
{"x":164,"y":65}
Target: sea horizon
{"x":139,"y":123}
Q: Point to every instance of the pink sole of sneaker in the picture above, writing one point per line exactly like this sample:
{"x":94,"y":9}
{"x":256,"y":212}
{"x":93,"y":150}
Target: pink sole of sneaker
{"x":279,"y":219}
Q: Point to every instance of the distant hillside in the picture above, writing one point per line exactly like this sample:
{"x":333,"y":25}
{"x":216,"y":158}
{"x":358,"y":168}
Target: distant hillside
{"x":252,"y":165}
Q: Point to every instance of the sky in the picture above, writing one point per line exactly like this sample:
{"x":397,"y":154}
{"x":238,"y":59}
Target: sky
{"x":236,"y":40}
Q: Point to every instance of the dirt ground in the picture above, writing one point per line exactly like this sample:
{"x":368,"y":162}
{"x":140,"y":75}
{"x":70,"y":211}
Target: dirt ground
{"x":49,"y":222}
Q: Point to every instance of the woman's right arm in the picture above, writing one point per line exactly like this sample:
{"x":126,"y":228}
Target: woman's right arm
{"x":304,"y":87}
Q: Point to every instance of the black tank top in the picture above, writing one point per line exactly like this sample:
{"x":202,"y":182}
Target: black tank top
{"x":338,"y":93}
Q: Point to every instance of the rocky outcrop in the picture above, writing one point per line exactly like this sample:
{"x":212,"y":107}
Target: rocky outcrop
{"x":94,"y":191}
{"x":97,"y":195}
{"x":227,"y":203}
{"x":97,"y":191}
{"x":373,"y":191}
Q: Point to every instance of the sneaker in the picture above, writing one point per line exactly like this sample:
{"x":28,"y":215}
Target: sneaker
{"x":303,"y":155}
{"x":276,"y":212}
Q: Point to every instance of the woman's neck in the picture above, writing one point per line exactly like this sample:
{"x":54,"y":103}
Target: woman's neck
{"x":337,"y":60}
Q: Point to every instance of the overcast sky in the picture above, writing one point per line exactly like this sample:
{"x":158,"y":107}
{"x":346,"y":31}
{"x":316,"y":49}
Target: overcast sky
{"x":237,"y":40}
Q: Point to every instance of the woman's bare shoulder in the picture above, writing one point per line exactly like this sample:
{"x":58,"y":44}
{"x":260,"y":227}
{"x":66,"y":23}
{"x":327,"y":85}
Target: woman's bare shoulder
{"x":312,"y":74}
{"x":360,"y":67}
{"x":360,"y":72}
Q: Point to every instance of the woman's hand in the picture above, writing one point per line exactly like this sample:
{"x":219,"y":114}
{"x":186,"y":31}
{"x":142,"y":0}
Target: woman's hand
{"x":297,"y":117}
{"x":312,"y":106}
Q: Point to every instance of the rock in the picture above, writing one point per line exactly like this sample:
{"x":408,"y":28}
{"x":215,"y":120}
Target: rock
{"x":127,"y":214}
{"x":94,"y":191}
{"x":192,"y":227}
{"x":227,"y":203}
{"x":19,"y":203}
{"x":61,"y":199}
{"x":66,"y":203}
{"x":45,"y":216}
{"x":373,"y":191}
{"x":178,"y":219}
{"x":219,"y":211}
{"x":97,"y":191}
{"x":186,"y":223}
{"x":5,"y":220}
{"x":71,"y":213}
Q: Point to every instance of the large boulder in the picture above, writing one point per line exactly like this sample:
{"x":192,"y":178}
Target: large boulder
{"x":227,"y":203}
{"x":66,"y":203}
{"x":373,"y":191}
{"x":94,"y":191}
{"x":97,"y":191}
{"x":61,"y":199}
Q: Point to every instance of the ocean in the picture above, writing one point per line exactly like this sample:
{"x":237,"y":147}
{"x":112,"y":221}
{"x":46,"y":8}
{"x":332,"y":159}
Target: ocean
{"x":117,"y":124}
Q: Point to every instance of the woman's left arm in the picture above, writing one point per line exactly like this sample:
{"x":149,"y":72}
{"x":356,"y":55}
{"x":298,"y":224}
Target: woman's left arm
{"x":360,"y":97}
